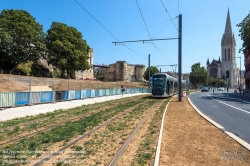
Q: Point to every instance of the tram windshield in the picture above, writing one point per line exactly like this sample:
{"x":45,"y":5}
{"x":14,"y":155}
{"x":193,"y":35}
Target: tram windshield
{"x":159,"y":82}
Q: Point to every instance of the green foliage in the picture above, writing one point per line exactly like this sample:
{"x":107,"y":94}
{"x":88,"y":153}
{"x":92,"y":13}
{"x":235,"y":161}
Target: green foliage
{"x":244,"y":32}
{"x":67,"y":50}
{"x":25,"y":67}
{"x":216,"y":82}
{"x":198,"y":74}
{"x":153,"y":70}
{"x":22,"y":38}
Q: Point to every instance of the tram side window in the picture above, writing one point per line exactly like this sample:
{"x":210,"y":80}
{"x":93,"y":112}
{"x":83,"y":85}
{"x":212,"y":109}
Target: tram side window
{"x":167,"y":87}
{"x":171,"y":86}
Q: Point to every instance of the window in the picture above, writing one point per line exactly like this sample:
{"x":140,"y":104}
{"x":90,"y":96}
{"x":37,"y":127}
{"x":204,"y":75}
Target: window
{"x":225,"y":55}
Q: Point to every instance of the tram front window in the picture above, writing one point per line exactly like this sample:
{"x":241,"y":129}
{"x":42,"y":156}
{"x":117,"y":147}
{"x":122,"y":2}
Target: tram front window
{"x":159,"y":82}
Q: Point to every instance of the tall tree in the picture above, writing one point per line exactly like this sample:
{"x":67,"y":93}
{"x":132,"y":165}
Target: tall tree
{"x":245,"y":32}
{"x":198,"y":74}
{"x":22,"y":38}
{"x":153,"y":70}
{"x":67,"y":50}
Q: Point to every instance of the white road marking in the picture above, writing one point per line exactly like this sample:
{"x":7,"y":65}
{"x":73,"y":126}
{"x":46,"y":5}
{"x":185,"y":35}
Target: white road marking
{"x":229,"y":105}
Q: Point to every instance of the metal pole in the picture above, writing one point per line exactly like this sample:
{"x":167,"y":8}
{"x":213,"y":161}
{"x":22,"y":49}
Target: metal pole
{"x":227,"y":87}
{"x":240,"y":72}
{"x":149,"y":71}
{"x":179,"y":57}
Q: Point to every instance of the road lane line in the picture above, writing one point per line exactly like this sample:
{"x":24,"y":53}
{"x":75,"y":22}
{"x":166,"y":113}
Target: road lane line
{"x":239,"y":140}
{"x":229,"y":105}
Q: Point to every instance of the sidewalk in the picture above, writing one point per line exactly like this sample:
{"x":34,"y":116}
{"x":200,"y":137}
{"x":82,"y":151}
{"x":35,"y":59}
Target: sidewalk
{"x":17,"y":112}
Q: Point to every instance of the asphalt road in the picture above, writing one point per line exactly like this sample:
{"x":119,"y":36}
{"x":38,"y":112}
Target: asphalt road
{"x":232,"y":111}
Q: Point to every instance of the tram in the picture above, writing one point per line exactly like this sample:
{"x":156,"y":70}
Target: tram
{"x":164,"y":85}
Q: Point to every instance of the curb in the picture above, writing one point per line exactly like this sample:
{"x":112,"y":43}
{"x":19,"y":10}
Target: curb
{"x":239,"y":140}
{"x":158,"y":149}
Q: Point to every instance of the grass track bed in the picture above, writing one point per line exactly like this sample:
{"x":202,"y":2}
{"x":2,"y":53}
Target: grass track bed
{"x":58,"y":118}
{"x":66,"y":132}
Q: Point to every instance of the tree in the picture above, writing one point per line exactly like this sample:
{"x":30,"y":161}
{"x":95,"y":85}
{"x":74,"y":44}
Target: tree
{"x":245,"y":32}
{"x":153,"y":70}
{"x":22,"y":38}
{"x":67,"y":50}
{"x":198,"y":74}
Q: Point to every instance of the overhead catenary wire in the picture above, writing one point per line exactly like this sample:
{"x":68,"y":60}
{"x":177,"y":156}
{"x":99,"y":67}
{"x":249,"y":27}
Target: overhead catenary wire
{"x":149,"y":33}
{"x":169,"y":15}
{"x":109,"y":31}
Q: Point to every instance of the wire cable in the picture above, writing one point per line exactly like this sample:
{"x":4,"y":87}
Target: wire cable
{"x":168,"y":14}
{"x":149,"y":33}
{"x":143,"y":19}
{"x":108,"y":30}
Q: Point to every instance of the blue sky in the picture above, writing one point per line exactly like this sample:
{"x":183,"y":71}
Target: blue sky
{"x":203,"y":26}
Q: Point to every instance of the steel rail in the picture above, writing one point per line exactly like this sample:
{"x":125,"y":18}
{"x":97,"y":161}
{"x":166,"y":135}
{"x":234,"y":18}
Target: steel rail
{"x":83,"y":136}
{"x":53,"y":126}
{"x":124,"y":146}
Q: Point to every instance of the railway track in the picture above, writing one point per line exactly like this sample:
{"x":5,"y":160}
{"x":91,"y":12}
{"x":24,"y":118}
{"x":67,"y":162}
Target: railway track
{"x":132,"y":135}
{"x":122,"y":148}
{"x":59,"y":151}
{"x":113,"y":102}
{"x":12,"y":141}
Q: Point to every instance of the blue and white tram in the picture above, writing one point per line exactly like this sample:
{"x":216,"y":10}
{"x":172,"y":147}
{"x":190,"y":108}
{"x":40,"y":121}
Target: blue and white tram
{"x":164,"y":85}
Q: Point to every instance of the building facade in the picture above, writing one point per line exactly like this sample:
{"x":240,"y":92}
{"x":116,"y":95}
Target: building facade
{"x":121,"y":71}
{"x":79,"y":74}
{"x":247,"y":68}
{"x":227,"y":64}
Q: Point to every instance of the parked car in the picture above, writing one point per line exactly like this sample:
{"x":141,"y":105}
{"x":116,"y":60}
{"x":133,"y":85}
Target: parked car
{"x":221,"y":89}
{"x":204,"y":89}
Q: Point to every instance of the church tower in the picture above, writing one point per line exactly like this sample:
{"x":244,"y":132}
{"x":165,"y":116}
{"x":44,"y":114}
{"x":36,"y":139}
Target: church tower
{"x":228,"y":53}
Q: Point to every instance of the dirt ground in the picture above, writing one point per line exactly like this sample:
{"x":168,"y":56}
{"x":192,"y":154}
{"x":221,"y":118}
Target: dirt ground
{"x":189,"y":139}
{"x":16,"y":83}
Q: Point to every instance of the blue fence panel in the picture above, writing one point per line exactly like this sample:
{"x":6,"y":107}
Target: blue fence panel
{"x":149,"y":91}
{"x":116,"y":92}
{"x":72,"y":94}
{"x":110,"y":92}
{"x":22,"y":98}
{"x":88,"y":93}
{"x":144,"y":90}
{"x":77,"y":94}
{"x":103,"y":92}
{"x":93,"y":93}
{"x":46,"y":97}
{"x":7,"y":99}
{"x":131,"y":91}
{"x":83,"y":94}
{"x":100,"y":92}
{"x":113,"y":91}
{"x":97,"y":92}
{"x":62,"y":95}
{"x":127,"y":91}
{"x":140,"y":90}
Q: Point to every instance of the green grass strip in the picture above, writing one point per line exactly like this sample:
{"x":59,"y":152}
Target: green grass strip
{"x":147,"y":147}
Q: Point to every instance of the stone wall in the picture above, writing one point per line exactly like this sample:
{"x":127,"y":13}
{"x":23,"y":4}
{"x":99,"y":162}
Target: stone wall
{"x":121,"y":71}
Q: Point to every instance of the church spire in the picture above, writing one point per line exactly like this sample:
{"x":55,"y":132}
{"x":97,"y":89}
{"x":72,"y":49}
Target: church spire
{"x":228,"y":28}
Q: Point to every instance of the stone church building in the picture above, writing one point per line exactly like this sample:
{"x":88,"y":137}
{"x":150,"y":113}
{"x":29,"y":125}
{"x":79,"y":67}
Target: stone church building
{"x":227,"y":63}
